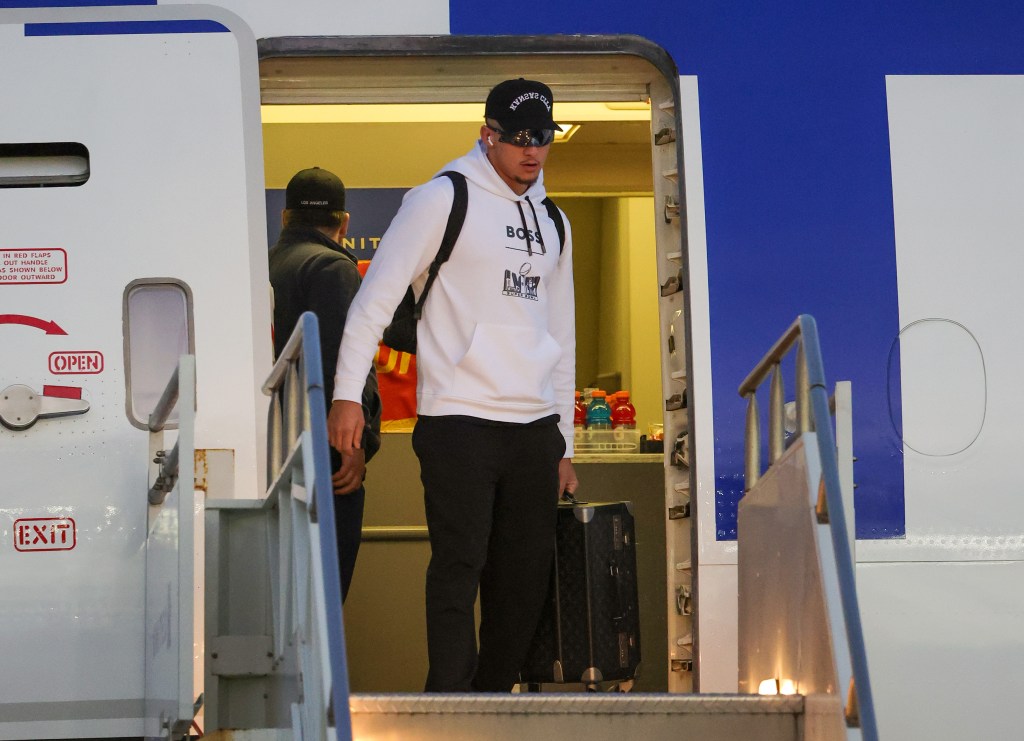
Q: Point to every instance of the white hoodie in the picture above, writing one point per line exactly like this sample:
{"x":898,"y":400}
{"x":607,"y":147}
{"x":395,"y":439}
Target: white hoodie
{"x":497,"y":336}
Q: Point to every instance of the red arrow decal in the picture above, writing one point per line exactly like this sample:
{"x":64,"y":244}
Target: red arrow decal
{"x":31,"y":321}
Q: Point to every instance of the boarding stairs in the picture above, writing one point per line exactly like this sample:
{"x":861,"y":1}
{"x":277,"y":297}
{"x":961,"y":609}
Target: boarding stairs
{"x":274,"y":642}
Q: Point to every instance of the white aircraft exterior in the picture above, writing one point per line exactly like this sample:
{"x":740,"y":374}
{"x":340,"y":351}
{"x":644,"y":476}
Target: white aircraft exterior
{"x":862,"y":166}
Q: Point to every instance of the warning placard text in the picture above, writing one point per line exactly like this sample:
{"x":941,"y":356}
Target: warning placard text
{"x":33,"y":266}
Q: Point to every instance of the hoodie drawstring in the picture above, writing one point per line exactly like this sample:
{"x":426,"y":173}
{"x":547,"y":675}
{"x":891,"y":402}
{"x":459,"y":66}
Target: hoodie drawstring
{"x":536,"y":223}
{"x":526,"y":231}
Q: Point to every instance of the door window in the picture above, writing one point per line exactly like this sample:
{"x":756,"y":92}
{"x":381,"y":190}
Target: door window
{"x":157,"y":331}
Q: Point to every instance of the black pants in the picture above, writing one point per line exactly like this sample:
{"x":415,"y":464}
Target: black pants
{"x":491,"y":494}
{"x":348,"y":527}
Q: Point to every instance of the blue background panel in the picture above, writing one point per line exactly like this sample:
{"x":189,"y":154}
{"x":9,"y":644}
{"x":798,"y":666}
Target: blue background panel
{"x":797,"y":184}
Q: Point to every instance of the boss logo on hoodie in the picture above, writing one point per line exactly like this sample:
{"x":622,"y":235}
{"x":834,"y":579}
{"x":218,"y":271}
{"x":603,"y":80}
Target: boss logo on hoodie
{"x":526,"y":235}
{"x":521,"y":284}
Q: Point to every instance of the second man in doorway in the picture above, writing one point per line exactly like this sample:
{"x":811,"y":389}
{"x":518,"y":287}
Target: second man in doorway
{"x":311,"y":271}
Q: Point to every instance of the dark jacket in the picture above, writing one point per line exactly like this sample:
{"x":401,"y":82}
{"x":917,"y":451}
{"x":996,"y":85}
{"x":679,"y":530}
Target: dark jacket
{"x":311,"y":272}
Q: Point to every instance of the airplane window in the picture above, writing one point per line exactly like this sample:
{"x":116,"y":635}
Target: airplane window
{"x":51,"y":164}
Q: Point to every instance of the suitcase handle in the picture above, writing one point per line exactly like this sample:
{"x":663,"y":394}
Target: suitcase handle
{"x":615,"y":572}
{"x":568,"y":498}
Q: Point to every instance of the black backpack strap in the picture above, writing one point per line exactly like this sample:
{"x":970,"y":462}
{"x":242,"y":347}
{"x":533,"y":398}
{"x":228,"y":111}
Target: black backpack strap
{"x":556,"y":216}
{"x":451,"y":233}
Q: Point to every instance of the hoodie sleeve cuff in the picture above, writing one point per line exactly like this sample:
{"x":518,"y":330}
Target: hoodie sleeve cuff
{"x":347,"y":389}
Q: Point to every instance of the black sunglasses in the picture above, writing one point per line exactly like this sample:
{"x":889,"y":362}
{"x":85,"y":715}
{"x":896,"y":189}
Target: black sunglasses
{"x":525,"y":137}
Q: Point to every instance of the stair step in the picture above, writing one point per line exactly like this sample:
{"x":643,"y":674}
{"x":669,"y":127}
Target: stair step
{"x":595,"y":717}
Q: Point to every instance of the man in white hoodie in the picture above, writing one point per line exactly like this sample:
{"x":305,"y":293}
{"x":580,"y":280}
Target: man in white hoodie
{"x":496,"y":358}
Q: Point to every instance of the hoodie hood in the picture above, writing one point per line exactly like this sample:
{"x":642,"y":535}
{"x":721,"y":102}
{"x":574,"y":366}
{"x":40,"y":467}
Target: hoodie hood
{"x":478,"y":169}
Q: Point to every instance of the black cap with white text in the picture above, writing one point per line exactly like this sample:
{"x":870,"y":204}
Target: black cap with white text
{"x":316,"y":189}
{"x":521,"y":104}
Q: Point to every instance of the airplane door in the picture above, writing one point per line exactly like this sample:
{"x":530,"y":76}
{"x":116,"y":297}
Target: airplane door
{"x":132,"y":230}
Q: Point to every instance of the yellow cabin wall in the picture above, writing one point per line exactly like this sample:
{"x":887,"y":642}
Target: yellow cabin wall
{"x":643,"y":347}
{"x":615,"y":273}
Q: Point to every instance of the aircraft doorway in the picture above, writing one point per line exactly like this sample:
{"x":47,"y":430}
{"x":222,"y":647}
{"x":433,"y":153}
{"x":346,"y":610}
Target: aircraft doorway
{"x":386,"y":114}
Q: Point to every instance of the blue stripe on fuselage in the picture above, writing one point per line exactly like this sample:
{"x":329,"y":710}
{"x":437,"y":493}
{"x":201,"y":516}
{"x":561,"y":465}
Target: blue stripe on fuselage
{"x":22,"y":4}
{"x":116,"y":28}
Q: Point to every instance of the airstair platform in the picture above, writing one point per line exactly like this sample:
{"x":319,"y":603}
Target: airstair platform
{"x":601,"y":717}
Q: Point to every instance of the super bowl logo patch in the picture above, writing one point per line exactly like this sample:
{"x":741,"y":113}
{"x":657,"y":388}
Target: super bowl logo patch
{"x":521,"y":284}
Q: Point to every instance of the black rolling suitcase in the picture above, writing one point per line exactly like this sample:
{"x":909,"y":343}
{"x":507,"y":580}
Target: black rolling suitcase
{"x":590,"y":629}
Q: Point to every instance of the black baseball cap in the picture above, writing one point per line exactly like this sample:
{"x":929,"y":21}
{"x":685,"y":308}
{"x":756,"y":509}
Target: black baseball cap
{"x":521,"y":104}
{"x":315,"y":189}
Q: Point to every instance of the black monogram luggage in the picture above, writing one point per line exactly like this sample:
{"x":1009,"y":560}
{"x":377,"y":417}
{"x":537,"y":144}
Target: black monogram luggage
{"x":590,"y":629}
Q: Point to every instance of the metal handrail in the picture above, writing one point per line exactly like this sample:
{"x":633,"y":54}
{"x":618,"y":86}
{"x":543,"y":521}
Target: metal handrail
{"x":297,"y":446}
{"x":168,"y":461}
{"x":813,"y":406}
{"x":164,"y":407}
{"x":290,"y":353}
{"x":771,"y":364}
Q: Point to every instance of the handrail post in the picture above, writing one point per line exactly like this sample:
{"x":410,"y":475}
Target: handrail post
{"x":291,"y":401}
{"x":300,"y":363}
{"x":776,"y":415}
{"x":275,"y":437}
{"x":803,"y":391}
{"x":752,"y":444}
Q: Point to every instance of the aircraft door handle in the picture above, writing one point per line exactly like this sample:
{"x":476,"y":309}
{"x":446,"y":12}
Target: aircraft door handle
{"x":21,"y":407}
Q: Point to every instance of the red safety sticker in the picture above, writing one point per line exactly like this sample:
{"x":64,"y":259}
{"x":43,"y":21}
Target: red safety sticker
{"x":63,"y":392}
{"x":45,"y":534}
{"x":33,"y":266}
{"x":76,"y":362}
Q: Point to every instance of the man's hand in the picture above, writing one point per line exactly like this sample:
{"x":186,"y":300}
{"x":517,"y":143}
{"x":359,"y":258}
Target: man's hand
{"x":345,"y":427}
{"x":349,"y":477}
{"x":567,"y":480}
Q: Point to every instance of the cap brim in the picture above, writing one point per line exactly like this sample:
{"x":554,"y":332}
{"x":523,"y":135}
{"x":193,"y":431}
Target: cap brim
{"x":529,"y":123}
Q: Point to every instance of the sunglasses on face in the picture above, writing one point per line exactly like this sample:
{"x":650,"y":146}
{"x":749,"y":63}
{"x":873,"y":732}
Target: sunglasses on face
{"x":525,"y":137}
